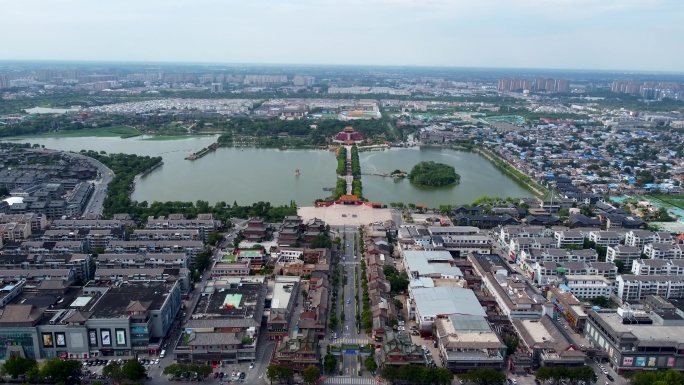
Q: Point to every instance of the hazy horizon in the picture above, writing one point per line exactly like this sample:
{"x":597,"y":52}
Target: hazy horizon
{"x":574,"y":35}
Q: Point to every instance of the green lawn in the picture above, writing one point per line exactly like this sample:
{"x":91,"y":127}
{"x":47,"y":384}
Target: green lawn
{"x":673,"y":200}
{"x":114,"y":131}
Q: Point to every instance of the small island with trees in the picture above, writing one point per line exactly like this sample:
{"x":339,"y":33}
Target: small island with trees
{"x":431,"y":174}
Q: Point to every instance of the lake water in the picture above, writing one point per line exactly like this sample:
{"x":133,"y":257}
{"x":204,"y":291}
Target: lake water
{"x":248,"y":175}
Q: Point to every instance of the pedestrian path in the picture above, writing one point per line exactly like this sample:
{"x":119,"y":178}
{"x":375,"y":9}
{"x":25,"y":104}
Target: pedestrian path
{"x":351,"y":341}
{"x":350,"y":380}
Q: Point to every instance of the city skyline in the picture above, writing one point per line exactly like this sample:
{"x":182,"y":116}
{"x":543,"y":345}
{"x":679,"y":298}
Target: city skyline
{"x":561,"y":34}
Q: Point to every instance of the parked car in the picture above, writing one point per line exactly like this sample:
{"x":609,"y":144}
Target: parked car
{"x":216,"y":374}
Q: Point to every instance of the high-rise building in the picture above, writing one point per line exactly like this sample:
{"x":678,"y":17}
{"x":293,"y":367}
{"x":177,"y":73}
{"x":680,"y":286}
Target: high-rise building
{"x":562,"y":85}
{"x":216,"y":87}
{"x":4,"y":81}
{"x":303,"y":80}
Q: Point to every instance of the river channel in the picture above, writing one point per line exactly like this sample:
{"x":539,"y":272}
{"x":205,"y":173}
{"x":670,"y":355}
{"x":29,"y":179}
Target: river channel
{"x":248,"y":175}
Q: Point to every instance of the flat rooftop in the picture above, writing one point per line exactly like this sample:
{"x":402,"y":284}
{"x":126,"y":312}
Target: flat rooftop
{"x":345,"y":215}
{"x":432,"y":301}
{"x":652,"y":332}
{"x":115,"y":302}
{"x":230,"y":300}
{"x":282,"y":291}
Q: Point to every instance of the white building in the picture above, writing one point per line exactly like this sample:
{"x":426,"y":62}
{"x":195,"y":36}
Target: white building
{"x":589,"y":286}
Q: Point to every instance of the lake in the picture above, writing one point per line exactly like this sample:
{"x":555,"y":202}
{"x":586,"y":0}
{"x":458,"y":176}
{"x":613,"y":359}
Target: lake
{"x":248,"y":175}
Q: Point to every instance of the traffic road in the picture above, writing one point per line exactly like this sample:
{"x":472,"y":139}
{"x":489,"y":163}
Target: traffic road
{"x":94,"y":205}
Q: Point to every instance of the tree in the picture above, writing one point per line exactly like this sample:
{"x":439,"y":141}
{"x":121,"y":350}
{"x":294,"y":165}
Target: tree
{"x":370,"y":364}
{"x":543,"y":373}
{"x":443,"y":376}
{"x":273,"y":372}
{"x":311,"y":375}
{"x":287,"y":374}
{"x":330,"y":363}
{"x":59,"y":370}
{"x":16,"y":366}
{"x":389,"y":373}
{"x":321,"y":241}
{"x":483,"y":377}
{"x":134,"y":370}
{"x":664,"y":377}
{"x":512,"y":343}
{"x":113,"y":370}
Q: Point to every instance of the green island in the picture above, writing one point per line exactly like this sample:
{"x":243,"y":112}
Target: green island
{"x":432,"y":174}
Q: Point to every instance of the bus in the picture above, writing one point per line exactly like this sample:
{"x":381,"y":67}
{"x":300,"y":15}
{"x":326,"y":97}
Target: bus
{"x":162,"y":354}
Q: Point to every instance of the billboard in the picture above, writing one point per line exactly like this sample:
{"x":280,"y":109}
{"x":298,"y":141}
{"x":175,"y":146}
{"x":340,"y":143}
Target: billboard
{"x":48,"y":342}
{"x":92,"y":337}
{"x":640,"y":361}
{"x":627,"y":361}
{"x":651,"y":361}
{"x":120,"y":337}
{"x":106,"y":337}
{"x":60,"y":338}
{"x":670,"y":362}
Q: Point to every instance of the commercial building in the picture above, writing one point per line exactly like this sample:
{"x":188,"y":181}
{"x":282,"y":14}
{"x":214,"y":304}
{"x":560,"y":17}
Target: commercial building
{"x":426,"y":304}
{"x":638,"y":340}
{"x":99,"y":321}
{"x":467,"y":342}
{"x":432,"y":264}
{"x":515,"y":297}
{"x":282,"y":302}
{"x":546,"y":344}
{"x":225,"y":323}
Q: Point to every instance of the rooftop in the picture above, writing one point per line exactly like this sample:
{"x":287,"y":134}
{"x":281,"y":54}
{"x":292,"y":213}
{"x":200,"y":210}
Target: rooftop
{"x":116,"y":301}
{"x":433,"y":301}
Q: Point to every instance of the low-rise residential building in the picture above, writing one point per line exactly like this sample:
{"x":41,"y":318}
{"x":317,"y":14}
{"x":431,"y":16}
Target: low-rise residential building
{"x":565,"y":238}
{"x":625,"y":254}
{"x":589,"y":286}
{"x":664,"y":251}
{"x":658,"y":267}
{"x":632,"y":288}
{"x":605,"y":238}
{"x":139,"y":261}
{"x":204,"y":223}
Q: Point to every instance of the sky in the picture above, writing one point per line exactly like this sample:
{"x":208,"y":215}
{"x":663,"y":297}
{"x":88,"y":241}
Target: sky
{"x":639,"y":35}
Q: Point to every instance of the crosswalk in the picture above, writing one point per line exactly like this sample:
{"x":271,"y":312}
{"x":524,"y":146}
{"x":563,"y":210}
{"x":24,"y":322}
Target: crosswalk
{"x":350,"y":381}
{"x":352,"y":341}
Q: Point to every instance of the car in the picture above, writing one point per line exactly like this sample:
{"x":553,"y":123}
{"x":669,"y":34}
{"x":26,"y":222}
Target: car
{"x":415,"y":333}
{"x":565,"y":327}
{"x":348,"y":301}
{"x":242,"y":375}
{"x":605,"y":372}
{"x":221,"y":375}
{"x":414,"y":327}
{"x":156,"y":361}
{"x":461,"y":382}
{"x":610,"y":377}
{"x":600,"y":366}
{"x":216,"y":374}
{"x":401,"y":323}
{"x":251,"y":365}
{"x":514,"y":381}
